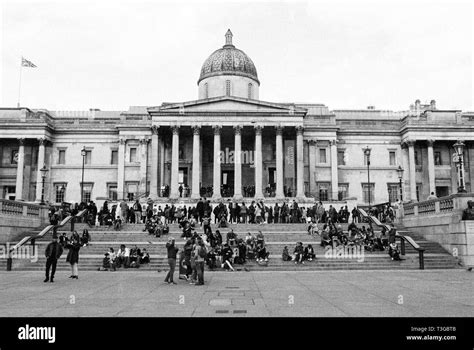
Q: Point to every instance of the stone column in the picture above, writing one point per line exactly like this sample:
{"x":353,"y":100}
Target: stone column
{"x":41,"y":162}
{"x":238,"y":162}
{"x":412,"y":168}
{"x":19,"y":170}
{"x":174,"y":193}
{"x":334,"y":174}
{"x":279,"y":163}
{"x":121,"y":169}
{"x":154,"y":162}
{"x":312,"y":165}
{"x":431,"y":166}
{"x":143,"y":164}
{"x":258,"y":162}
{"x":195,"y":188}
{"x":299,"y":163}
{"x":161,"y":151}
{"x":216,"y":194}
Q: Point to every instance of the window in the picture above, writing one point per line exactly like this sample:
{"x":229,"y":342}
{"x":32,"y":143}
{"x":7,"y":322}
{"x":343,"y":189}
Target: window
{"x":341,"y":157}
{"x":343,"y":191}
{"x":62,"y":157}
{"x":114,"y":157}
{"x":87,"y":192}
{"x":112,"y":191}
{"x":323,"y":189}
{"x":250,"y":88}
{"x":392,"y":158}
{"x":206,"y":90}
{"x":442,"y":191}
{"x":14,"y":156}
{"x":227,"y":87}
{"x":88,"y":157}
{"x":366,"y":189}
{"x":133,"y":155}
{"x":437,"y":158}
{"x":181,"y":152}
{"x":132,"y":190}
{"x":393,"y":192}
{"x":418,"y":191}
{"x":322,"y":155}
{"x":60,"y":191}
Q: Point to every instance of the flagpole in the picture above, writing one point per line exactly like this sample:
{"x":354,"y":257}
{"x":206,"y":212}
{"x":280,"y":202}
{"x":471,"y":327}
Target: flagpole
{"x":19,"y":84}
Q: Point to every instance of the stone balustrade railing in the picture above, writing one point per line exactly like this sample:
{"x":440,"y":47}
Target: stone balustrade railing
{"x":448,"y":204}
{"x":16,"y":208}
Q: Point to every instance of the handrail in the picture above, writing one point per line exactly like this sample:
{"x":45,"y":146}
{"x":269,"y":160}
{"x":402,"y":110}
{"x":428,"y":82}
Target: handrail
{"x":402,"y":238}
{"x":40,"y":235}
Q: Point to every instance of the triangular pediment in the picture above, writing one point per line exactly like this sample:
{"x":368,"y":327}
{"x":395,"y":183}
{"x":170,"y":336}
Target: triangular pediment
{"x":227,"y":104}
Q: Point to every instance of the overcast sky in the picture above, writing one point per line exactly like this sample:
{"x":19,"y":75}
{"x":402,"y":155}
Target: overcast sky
{"x":111,"y":55}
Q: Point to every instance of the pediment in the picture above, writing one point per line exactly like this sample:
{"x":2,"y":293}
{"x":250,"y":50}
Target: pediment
{"x":227,"y":104}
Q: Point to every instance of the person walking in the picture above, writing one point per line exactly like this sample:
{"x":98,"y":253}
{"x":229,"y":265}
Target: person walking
{"x":53,"y":252}
{"x":200,"y":256}
{"x":72,"y":258}
{"x":172,"y":252}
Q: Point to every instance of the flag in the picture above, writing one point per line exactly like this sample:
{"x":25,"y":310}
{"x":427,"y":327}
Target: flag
{"x":26,"y":63}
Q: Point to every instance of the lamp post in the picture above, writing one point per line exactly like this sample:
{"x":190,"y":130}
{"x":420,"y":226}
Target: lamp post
{"x":400,"y":178}
{"x":459,"y":157}
{"x":83,"y":154}
{"x":44,"y":171}
{"x":367,"y":151}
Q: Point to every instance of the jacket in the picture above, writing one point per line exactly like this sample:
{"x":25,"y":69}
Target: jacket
{"x":172,"y":250}
{"x":73,"y":254}
{"x":49,"y":250}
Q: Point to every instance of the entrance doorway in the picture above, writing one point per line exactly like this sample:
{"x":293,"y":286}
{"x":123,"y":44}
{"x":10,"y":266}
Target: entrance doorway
{"x":227,"y":181}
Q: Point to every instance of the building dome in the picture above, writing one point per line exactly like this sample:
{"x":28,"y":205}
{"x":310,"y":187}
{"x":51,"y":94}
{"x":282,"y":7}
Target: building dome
{"x":228,"y":61}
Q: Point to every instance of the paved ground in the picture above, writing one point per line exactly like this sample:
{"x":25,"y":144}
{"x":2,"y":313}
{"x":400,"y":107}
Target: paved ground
{"x":314,"y":294}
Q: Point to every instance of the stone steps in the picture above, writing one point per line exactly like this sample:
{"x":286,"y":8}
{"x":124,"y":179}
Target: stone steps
{"x":276,"y":236}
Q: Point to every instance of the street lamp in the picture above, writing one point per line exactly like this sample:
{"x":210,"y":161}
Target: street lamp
{"x":458,"y":159}
{"x":44,"y":171}
{"x":83,"y":154}
{"x":400,"y":178}
{"x":367,"y":151}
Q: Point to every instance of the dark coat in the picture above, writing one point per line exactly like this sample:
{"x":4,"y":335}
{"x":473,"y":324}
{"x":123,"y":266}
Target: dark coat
{"x":73,"y":254}
{"x":49,"y":250}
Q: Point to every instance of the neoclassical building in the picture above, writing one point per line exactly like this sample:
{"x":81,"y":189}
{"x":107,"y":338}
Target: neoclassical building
{"x":230,"y":140}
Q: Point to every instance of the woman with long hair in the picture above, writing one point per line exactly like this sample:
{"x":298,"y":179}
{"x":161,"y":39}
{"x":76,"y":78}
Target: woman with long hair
{"x":74,"y":245}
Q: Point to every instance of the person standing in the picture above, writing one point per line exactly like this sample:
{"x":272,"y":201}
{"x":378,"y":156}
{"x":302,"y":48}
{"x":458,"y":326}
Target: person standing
{"x":72,"y":258}
{"x":200,"y":256}
{"x":137,"y":210}
{"x":123,"y":210}
{"x":172,"y":252}
{"x":53,"y":252}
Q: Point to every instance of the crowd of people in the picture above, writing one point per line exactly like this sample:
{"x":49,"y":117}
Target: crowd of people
{"x":300,"y":253}
{"x":210,"y":248}
{"x":124,"y":257}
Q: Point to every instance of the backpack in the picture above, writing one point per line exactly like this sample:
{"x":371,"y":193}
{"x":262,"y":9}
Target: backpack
{"x":202,"y":252}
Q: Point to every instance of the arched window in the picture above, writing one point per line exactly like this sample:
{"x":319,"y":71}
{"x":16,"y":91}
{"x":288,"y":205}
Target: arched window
{"x":206,"y":90}
{"x":227,"y":87}
{"x":250,"y":91}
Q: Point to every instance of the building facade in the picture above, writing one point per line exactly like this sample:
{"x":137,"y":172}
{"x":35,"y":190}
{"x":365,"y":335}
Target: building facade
{"x":230,"y":140}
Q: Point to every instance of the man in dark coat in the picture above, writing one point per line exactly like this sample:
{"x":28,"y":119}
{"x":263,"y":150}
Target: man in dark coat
{"x":53,"y":252}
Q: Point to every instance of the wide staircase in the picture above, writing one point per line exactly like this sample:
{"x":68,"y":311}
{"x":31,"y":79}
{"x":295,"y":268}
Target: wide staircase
{"x":277,"y":236}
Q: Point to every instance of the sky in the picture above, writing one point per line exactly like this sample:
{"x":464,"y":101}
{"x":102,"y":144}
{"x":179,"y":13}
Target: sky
{"x":346,"y":55}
